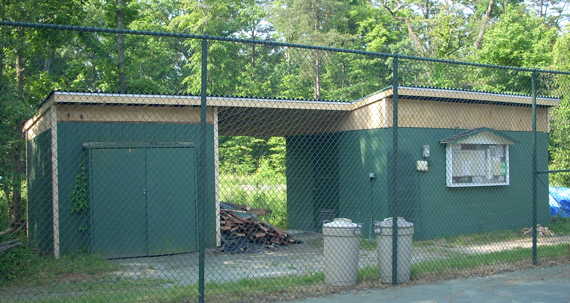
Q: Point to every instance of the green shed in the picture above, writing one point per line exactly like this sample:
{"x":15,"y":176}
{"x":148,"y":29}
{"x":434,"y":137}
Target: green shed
{"x":464,"y":163}
{"x":115,"y":174}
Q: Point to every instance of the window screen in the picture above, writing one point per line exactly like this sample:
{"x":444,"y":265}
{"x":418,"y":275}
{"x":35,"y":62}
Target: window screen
{"x":477,"y":164}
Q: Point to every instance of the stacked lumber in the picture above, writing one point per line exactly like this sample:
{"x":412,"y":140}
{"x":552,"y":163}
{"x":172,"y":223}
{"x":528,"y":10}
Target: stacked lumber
{"x":244,"y":209}
{"x":542,"y":231}
{"x":4,"y":246}
{"x":248,"y":234}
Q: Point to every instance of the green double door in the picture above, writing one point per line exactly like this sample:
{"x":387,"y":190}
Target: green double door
{"x":142,"y":200}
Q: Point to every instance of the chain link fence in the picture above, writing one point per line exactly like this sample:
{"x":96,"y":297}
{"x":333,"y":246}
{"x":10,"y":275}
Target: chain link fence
{"x":256,"y":171}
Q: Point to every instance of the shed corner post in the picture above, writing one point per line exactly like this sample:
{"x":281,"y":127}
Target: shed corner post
{"x":202,"y":174}
{"x":534,"y":170}
{"x":394,"y":171}
{"x":55,"y":183}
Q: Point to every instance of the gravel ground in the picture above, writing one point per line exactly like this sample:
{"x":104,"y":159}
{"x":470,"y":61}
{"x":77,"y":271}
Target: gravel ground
{"x":297,"y":259}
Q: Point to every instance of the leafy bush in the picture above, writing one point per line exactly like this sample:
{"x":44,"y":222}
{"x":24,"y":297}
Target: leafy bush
{"x":560,"y":226}
{"x":16,"y":263}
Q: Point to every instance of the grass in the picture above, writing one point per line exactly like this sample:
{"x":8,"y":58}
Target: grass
{"x":22,"y":266}
{"x":124,"y":291}
{"x":26,"y":275}
{"x":87,"y":278}
{"x":459,"y":263}
{"x":559,"y":226}
{"x":466,"y":262}
{"x":226,"y":292}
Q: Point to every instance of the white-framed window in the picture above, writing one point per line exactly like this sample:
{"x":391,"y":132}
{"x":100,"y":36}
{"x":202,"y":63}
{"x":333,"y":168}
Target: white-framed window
{"x":477,"y":165}
{"x":478,"y":157}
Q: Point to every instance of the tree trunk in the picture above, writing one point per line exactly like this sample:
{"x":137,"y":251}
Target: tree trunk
{"x":121,"y":46}
{"x":48,"y":63}
{"x":484,"y":23}
{"x":414,"y":37}
{"x":3,"y":33}
{"x":1,"y":67}
{"x":318,"y":77}
{"x":17,"y":188}
{"x":316,"y":28}
{"x":20,"y":66}
{"x":253,"y":51}
{"x":17,"y":165}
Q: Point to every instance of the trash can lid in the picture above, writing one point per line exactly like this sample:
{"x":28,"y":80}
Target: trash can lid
{"x":341,"y":223}
{"x":402,"y":223}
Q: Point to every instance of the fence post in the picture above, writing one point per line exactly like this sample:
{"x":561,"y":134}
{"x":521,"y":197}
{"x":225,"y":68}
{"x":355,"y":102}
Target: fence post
{"x":534,"y":171}
{"x":394,"y":172}
{"x":202,"y":174}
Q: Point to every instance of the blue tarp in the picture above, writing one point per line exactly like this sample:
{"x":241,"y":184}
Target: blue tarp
{"x":559,"y":201}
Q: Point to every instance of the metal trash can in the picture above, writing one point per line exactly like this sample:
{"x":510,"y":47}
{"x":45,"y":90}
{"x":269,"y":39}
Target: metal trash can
{"x":326,"y":215}
{"x":383,"y":231}
{"x":341,"y":251}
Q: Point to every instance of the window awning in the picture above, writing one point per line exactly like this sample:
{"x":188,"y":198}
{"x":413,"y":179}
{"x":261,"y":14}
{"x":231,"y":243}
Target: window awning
{"x":479,"y":136}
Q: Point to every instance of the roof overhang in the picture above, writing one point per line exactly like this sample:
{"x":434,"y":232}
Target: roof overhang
{"x":482,"y":135}
{"x":440,"y":94}
{"x":405,"y":92}
{"x":254,"y":102}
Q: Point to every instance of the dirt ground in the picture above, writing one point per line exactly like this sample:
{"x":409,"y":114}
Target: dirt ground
{"x":296,"y":259}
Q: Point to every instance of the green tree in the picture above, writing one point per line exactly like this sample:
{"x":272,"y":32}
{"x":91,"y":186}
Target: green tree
{"x":316,"y":22}
{"x":560,"y":133}
{"x":519,"y":38}
{"x":30,"y":66}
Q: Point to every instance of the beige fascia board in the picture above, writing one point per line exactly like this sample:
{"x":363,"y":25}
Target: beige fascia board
{"x":166,"y":100}
{"x":39,"y":114}
{"x":475,"y":96}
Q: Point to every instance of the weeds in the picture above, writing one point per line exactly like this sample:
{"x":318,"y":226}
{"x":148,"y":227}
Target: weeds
{"x":263,"y":189}
{"x":22,"y":266}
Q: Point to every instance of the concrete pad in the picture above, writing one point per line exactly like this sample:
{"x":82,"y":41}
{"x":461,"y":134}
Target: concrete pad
{"x":547,"y":284}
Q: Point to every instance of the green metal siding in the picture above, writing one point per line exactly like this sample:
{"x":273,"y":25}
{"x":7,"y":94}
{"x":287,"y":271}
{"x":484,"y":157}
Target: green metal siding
{"x":118,"y":208}
{"x":299,"y":171}
{"x":423,"y":197}
{"x":442,"y":211}
{"x":71,"y":136}
{"x":361,"y":198}
{"x":171,"y":200}
{"x":311,"y":179}
{"x":40,"y":205}
{"x":142,"y":201}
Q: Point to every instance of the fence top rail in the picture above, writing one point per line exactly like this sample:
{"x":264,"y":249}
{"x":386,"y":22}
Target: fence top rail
{"x":266,"y":42}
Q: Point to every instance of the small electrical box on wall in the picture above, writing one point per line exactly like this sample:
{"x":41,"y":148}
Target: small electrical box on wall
{"x":425,"y":151}
{"x":422,"y":165}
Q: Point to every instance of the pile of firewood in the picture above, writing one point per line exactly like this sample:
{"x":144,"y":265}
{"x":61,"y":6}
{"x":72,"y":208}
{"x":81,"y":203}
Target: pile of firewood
{"x":542,"y":231}
{"x":4,"y":246}
{"x":248,"y":234}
